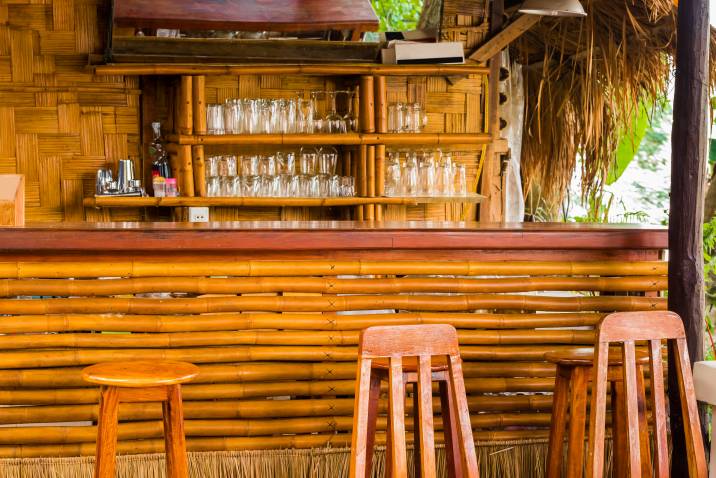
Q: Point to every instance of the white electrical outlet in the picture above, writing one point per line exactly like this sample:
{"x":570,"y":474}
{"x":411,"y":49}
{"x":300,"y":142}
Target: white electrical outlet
{"x":198,"y":214}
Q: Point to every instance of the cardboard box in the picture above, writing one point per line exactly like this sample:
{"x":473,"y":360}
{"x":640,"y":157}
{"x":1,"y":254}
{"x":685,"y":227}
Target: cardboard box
{"x":412,"y":53}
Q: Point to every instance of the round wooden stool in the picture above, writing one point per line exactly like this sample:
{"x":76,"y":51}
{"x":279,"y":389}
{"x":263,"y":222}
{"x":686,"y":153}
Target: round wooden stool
{"x":140,"y":381}
{"x":574,"y":372}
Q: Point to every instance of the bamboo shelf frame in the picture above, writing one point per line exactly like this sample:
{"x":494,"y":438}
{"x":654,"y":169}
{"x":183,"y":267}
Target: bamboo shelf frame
{"x":339,"y":139}
{"x":363,"y":157}
{"x":195,"y":201}
{"x":338,"y":69}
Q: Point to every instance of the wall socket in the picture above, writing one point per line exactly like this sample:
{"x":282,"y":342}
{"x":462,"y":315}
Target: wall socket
{"x":198,"y":214}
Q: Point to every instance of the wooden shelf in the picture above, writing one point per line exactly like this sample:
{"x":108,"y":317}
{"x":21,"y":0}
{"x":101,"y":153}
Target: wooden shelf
{"x":388,"y":139}
{"x":337,"y":69}
{"x":115,"y":201}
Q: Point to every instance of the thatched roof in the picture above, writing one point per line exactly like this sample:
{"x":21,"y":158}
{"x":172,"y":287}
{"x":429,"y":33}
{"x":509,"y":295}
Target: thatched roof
{"x":584,"y":83}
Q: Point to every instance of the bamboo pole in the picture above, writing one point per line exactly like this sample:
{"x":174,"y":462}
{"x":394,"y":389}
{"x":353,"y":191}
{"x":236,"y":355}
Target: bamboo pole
{"x":186,"y":171}
{"x":325,"y":285}
{"x":125,"y":202}
{"x":278,"y":338}
{"x":185,"y":117}
{"x":370,"y":182}
{"x":267,"y":372}
{"x":284,"y":69}
{"x":337,"y":139}
{"x":199,"y":104}
{"x":234,"y":391}
{"x":199,"y":355}
{"x":254,"y":268}
{"x":199,"y":170}
{"x":251,"y":409}
{"x":210,"y":444}
{"x":286,"y":321}
{"x":362,"y":180}
{"x":381,"y":126}
{"x":367,"y":125}
{"x":244,"y":428}
{"x":442,"y":303}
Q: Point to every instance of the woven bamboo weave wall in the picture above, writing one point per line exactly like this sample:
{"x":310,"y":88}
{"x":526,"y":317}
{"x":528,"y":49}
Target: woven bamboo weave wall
{"x":276,"y":342}
{"x":58,"y":122}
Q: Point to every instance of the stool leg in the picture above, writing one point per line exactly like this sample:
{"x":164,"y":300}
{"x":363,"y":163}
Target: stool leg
{"x":555,"y":451}
{"x":174,"y":441}
{"x":373,"y":397}
{"x":619,"y":444}
{"x":452,"y":448}
{"x":416,"y":430}
{"x":645,"y":449}
{"x":105,"y":458}
{"x":577,"y":417}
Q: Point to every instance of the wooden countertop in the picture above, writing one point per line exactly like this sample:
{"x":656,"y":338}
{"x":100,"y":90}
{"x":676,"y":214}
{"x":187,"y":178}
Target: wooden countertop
{"x":325,"y":235}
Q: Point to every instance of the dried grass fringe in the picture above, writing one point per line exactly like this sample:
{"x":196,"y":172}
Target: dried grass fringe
{"x":587,"y":80}
{"x":523,"y":459}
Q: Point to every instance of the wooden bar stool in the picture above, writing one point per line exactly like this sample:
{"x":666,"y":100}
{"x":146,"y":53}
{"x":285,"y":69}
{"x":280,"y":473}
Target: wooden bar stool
{"x":140,"y":381}
{"x":626,"y":328}
{"x":574,"y":372}
{"x":400,"y":355}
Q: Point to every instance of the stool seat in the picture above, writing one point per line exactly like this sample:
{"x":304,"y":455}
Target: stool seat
{"x":140,"y":373}
{"x":410,"y":364}
{"x":584,"y":356}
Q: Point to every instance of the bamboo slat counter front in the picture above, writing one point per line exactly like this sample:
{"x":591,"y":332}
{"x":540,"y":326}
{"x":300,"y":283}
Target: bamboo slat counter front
{"x":272,"y":311}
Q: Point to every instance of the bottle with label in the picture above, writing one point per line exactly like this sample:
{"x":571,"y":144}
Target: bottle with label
{"x":158,"y":154}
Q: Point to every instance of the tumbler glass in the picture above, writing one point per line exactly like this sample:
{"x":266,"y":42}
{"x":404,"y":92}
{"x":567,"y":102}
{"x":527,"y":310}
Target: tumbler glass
{"x":306,"y":110}
{"x":460,"y":180}
{"x":213,"y":187}
{"x":411,"y":177}
{"x":215,"y":119}
{"x":348,"y":188}
{"x":327,"y":160}
{"x":427,"y":173}
{"x":393,"y":175}
{"x":308,"y":158}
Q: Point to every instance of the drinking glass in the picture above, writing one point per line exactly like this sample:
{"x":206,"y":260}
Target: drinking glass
{"x":349,"y":118}
{"x":213,"y":187}
{"x":327,"y":160}
{"x":410,"y":177}
{"x":212,"y":166}
{"x":427,"y":173}
{"x":215,"y":119}
{"x":334,"y":186}
{"x":393,"y":175}
{"x":308,"y":157}
{"x":306,"y":110}
{"x":348,"y":188}
{"x":319,"y":123}
{"x":250,"y":165}
{"x":460,"y":180}
{"x":253,"y":183}
{"x":268,"y":166}
{"x":334,"y":121}
{"x":226,"y":183}
{"x":446,"y":178}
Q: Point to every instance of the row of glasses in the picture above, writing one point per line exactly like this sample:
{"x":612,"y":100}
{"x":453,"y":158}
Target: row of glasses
{"x":406,"y":118}
{"x":317,"y":114}
{"x":307,"y":161}
{"x":424,"y":174}
{"x":282,"y":186}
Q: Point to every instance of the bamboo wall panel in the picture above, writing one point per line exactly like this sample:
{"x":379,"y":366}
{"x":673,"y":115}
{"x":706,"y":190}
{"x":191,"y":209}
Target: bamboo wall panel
{"x":60,"y":123}
{"x":276,"y":341}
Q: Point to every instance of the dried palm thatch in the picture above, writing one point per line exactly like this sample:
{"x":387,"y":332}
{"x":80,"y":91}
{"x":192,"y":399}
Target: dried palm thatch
{"x":585,"y":80}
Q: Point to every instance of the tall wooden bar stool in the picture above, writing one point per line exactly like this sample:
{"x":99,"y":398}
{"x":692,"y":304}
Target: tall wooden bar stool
{"x":574,"y":372}
{"x":140,"y":381}
{"x":626,"y":328}
{"x":400,"y":355}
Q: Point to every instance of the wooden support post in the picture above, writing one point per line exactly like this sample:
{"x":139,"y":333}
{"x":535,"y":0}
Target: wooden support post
{"x":367,"y":153}
{"x":491,"y":186}
{"x":199,"y":170}
{"x":688,"y":160}
{"x":199,"y":104}
{"x":381,"y":126}
{"x":184,"y":107}
{"x":500,"y":41}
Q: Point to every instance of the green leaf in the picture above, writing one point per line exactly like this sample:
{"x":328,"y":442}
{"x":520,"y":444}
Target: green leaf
{"x":629,"y":144}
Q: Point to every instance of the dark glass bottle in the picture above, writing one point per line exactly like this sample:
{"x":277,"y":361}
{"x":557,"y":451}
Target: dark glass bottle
{"x":158,"y":153}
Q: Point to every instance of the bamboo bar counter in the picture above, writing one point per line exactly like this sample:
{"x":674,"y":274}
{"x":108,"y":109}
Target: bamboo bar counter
{"x":271,"y":312}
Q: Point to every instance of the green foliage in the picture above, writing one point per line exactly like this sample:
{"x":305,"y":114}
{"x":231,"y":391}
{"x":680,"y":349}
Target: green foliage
{"x":398,"y":15}
{"x":629,"y":144}
{"x":709,"y":276}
